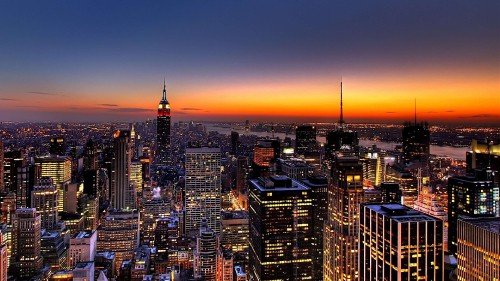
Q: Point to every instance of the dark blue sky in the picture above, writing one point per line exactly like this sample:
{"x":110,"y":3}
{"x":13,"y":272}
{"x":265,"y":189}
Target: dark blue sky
{"x":87,"y":48}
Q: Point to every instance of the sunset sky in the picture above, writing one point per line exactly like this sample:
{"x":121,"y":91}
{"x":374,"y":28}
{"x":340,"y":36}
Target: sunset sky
{"x":256,"y":60}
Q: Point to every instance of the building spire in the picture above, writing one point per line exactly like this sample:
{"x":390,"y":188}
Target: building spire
{"x":341,"y":120}
{"x":415,"y":111}
{"x":164,"y":90}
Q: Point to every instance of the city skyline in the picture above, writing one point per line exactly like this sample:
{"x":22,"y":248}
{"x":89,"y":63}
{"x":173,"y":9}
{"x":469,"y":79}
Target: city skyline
{"x":264,"y":61}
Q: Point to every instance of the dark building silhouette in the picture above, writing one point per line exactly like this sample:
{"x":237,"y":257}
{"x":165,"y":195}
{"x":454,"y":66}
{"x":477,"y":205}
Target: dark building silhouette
{"x":319,"y":187}
{"x":305,"y":139}
{"x":416,"y":143}
{"x":341,"y":139}
{"x":391,"y":193}
{"x":57,"y":146}
{"x":235,"y":142}
{"x":484,"y":155}
{"x":122,"y":191}
{"x":163,"y":130}
{"x":280,"y":216}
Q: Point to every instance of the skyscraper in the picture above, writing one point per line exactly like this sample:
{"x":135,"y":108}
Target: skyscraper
{"x":399,"y":243}
{"x":122,"y":191}
{"x":478,"y":253}
{"x":59,"y":169}
{"x":57,"y":146}
{"x":163,"y":130}
{"x":203,"y":188}
{"x":3,"y":260}
{"x":342,"y":138}
{"x":205,"y":256}
{"x":280,"y":216}
{"x":119,"y":233}
{"x":416,"y":143}
{"x":2,"y":185}
{"x":345,"y":194}
{"x":305,"y":139}
{"x":26,"y":243}
{"x":468,"y":197}
{"x":44,"y":200}
{"x":319,"y":188}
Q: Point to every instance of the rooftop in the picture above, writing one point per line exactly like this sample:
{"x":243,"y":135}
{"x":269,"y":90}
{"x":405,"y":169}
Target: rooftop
{"x":490,"y":224}
{"x":399,"y":212}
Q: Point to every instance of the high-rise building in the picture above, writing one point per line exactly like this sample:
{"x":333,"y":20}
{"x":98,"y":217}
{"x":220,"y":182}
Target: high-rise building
{"x":3,"y":259}
{"x":429,"y":204}
{"x":296,"y":169}
{"x":342,"y":139}
{"x":12,"y":160}
{"x":53,"y":250}
{"x":399,"y":243}
{"x":59,"y":169}
{"x":280,"y":214}
{"x":163,"y":130}
{"x":26,"y":243}
{"x":416,"y":144}
{"x":345,"y":194}
{"x":2,"y":185}
{"x":390,"y":192}
{"x":82,"y":247}
{"x":478,"y":252}
{"x":136,"y":175}
{"x":205,"y":256}
{"x":90,"y":155}
{"x":234,"y":234}
{"x":27,"y":176}
{"x":44,"y":200}
{"x":84,"y":271}
{"x":119,"y":233}
{"x":468,"y":197}
{"x":265,"y":154}
{"x":122,"y":191}
{"x":319,"y":188}
{"x":305,"y":139}
{"x":203,"y":188}
{"x":57,"y":146}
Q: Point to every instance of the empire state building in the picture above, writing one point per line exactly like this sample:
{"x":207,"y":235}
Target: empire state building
{"x":163,"y":130}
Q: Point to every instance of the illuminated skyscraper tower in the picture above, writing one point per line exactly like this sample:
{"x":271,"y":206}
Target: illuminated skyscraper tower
{"x":163,"y":130}
{"x":345,"y":194}
{"x":203,"y":188}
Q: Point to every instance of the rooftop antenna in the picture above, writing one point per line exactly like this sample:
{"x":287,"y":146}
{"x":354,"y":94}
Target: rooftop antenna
{"x":415,"y":111}
{"x":164,"y":90}
{"x":341,"y":121}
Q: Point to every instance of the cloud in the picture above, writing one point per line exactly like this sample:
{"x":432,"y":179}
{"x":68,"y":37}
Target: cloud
{"x":132,"y":109}
{"x":108,"y":104}
{"x":7,"y":99}
{"x":481,"y":116}
{"x":43,"y":93}
{"x":191,"y":108}
{"x":390,"y":112}
{"x":449,"y":111}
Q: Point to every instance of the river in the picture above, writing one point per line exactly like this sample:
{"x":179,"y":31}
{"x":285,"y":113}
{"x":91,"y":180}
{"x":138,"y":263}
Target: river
{"x":449,"y":151}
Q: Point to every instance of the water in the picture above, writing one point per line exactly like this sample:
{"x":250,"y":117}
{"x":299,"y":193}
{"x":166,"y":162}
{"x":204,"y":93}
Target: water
{"x":449,"y":151}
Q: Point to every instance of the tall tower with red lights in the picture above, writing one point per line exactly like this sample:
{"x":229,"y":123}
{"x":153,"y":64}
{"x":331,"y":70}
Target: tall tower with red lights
{"x":163,"y":130}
